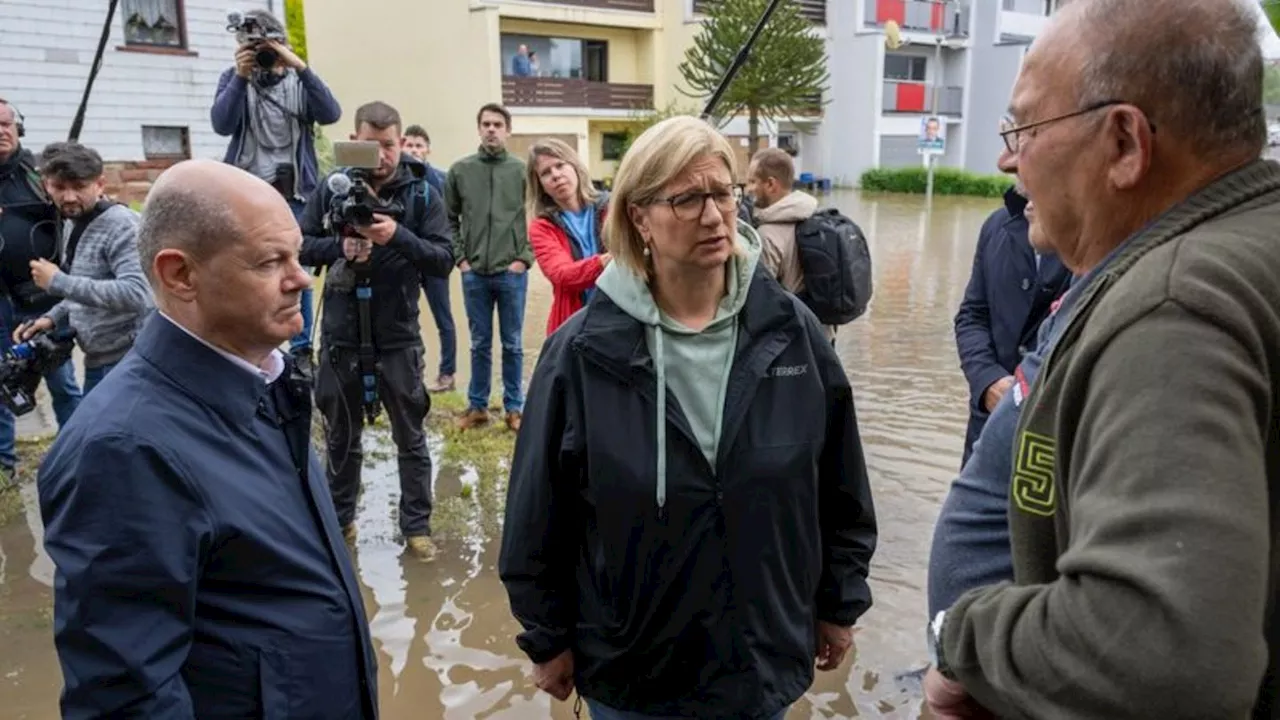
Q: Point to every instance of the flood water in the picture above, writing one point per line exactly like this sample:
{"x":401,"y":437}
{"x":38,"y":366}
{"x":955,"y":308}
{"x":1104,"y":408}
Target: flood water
{"x":443,"y":632}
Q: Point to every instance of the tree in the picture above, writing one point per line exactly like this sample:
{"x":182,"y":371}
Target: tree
{"x":645,"y":119}
{"x":786,"y":71}
{"x":1271,"y":85}
{"x":295,"y":23}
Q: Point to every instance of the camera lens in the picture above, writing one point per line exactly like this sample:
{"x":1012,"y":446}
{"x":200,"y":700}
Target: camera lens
{"x":266,"y":58}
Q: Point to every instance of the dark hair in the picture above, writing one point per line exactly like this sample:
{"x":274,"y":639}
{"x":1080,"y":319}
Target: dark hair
{"x":417,"y":131}
{"x":777,"y":164}
{"x":494,"y":108}
{"x":269,"y":22}
{"x":377,"y":115}
{"x":70,"y":161}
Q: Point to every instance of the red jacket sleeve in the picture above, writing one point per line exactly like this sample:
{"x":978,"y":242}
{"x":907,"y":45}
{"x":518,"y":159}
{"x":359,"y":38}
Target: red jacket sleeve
{"x":551,"y":248}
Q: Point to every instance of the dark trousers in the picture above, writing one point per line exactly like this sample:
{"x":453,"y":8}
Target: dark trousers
{"x":437,"y":290}
{"x":340,"y":399}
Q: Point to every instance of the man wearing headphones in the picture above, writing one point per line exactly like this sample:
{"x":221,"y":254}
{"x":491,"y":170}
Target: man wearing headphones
{"x":28,"y":232}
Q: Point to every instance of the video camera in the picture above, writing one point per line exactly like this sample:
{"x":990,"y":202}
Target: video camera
{"x":249,"y":31}
{"x":25,"y":363}
{"x":354,"y":201}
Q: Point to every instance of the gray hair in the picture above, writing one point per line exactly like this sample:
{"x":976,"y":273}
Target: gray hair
{"x":183,"y":218}
{"x":1194,"y":66}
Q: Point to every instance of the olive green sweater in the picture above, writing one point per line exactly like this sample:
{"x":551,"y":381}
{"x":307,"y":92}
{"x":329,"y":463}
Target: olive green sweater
{"x":1143,"y":507}
{"x":485,"y":197}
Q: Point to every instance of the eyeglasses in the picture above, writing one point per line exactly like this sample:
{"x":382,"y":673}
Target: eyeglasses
{"x":1012,"y":134}
{"x":688,"y":207}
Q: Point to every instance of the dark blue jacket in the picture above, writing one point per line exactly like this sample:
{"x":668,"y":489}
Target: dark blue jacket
{"x":436,"y":178}
{"x":231,"y":106}
{"x":1004,"y":304}
{"x":200,"y":569}
{"x":28,"y":230}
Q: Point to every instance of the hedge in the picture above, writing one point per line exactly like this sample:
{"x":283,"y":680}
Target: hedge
{"x":946,"y":181}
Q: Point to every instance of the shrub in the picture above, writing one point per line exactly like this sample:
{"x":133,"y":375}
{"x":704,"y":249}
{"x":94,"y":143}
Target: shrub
{"x":946,"y":181}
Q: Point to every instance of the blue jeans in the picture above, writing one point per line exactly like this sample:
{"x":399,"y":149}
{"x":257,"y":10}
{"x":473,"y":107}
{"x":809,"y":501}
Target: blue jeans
{"x":437,"y":290}
{"x":506,"y":290}
{"x":94,"y":375}
{"x":61,"y":382}
{"x":604,"y":712}
{"x":302,"y":339}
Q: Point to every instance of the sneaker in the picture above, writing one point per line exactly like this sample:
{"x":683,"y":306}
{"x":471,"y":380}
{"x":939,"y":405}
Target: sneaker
{"x":513,"y":421}
{"x":421,"y":547}
{"x":473,"y":418}
{"x":443,"y":383}
{"x":349,"y":533}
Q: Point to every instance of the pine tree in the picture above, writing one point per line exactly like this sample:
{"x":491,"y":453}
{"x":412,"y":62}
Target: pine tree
{"x":786,"y":71}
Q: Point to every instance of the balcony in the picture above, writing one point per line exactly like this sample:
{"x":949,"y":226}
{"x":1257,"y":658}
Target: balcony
{"x":548,"y":92}
{"x":631,"y":5}
{"x":935,"y":17}
{"x":815,"y":10}
{"x":917,"y":98}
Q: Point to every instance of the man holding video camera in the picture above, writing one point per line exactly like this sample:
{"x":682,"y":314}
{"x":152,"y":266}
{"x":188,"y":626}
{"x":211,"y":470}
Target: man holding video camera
{"x":379,"y":229}
{"x":268,"y":104}
{"x":105,"y":295}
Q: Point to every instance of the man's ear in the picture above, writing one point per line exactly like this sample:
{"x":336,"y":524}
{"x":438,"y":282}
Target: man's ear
{"x":175,"y":274}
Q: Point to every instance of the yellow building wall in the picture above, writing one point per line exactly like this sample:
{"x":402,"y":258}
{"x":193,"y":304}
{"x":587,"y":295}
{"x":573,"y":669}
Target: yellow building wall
{"x":623,"y":57}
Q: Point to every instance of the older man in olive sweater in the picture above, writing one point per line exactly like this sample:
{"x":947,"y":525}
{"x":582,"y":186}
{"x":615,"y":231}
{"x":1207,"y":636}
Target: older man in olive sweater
{"x":485,"y":195}
{"x":1146,"y":464}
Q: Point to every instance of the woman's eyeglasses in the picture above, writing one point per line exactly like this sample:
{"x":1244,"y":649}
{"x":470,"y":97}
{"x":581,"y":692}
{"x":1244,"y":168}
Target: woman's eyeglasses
{"x":689,"y":206}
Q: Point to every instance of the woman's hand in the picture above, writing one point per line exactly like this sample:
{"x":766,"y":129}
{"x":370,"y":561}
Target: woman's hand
{"x":605,"y":259}
{"x":555,"y":676}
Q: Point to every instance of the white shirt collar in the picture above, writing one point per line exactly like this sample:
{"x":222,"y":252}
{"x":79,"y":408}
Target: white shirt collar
{"x":275,"y":361}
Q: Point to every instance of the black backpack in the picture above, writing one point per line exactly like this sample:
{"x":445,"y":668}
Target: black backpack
{"x":837,"y":267}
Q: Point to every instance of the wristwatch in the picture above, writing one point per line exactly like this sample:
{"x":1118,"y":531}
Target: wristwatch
{"x":936,"y":655}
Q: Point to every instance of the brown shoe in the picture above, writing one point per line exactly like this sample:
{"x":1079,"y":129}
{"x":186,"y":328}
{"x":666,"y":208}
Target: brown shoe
{"x":421,"y":547}
{"x":349,"y":533}
{"x":513,"y":421}
{"x":474,"y":417}
{"x":443,"y":383}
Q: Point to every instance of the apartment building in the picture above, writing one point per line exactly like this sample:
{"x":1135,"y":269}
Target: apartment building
{"x":150,"y":103}
{"x":958,"y":61}
{"x":599,"y":65}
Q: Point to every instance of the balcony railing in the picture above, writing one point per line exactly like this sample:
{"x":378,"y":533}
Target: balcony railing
{"x":562,"y":92}
{"x":939,"y":17}
{"x":633,"y":5}
{"x":902,"y":96}
{"x":815,"y":10}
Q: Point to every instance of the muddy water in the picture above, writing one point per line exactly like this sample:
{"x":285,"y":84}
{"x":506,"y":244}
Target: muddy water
{"x":443,"y":633}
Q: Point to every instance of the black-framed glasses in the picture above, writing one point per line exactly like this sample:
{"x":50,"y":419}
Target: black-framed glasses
{"x":688,"y":206}
{"x":1012,"y":133}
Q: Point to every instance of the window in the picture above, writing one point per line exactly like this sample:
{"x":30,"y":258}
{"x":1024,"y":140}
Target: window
{"x":611,"y":145}
{"x":166,"y":143}
{"x":905,"y":67}
{"x":553,"y":57}
{"x":155,"y":23}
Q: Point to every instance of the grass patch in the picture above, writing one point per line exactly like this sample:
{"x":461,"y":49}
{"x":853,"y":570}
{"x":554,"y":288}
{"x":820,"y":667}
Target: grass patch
{"x":486,"y":450}
{"x":946,"y":181}
{"x":30,"y":452}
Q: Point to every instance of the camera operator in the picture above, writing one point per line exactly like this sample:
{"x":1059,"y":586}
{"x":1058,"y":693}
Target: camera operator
{"x":268,"y":103}
{"x":28,"y":232}
{"x":408,"y":238}
{"x":105,"y":294}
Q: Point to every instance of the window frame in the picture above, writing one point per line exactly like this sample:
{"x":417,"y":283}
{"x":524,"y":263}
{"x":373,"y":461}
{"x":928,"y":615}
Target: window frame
{"x":186,"y":143}
{"x":184,"y":40}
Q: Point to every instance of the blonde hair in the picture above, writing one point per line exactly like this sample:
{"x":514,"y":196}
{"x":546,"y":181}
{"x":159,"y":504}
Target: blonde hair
{"x":537,"y":202}
{"x":656,"y":158}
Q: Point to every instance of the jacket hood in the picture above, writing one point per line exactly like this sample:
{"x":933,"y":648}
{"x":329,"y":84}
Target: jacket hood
{"x":795,"y":207}
{"x":631,"y":294}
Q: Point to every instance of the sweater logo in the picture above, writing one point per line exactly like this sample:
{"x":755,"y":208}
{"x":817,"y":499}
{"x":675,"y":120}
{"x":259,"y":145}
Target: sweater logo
{"x":1033,"y":475}
{"x":788,"y":370}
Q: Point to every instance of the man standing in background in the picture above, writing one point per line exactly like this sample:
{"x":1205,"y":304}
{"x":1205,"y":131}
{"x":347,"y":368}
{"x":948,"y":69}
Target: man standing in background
{"x":268,"y":103}
{"x":485,"y":194}
{"x":418,"y":144}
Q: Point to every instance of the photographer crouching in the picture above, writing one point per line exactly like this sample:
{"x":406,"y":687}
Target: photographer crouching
{"x":268,"y":103}
{"x":379,"y":228}
{"x":105,"y":295}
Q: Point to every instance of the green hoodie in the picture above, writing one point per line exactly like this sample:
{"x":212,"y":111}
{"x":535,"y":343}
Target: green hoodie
{"x":694,"y":365}
{"x":484,"y":194}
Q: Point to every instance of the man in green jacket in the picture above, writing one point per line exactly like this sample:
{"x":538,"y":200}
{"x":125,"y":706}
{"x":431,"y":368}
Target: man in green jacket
{"x":485,"y":195}
{"x":1145,"y":497}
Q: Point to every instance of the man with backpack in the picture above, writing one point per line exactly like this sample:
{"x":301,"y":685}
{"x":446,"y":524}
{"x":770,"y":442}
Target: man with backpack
{"x":818,"y":255}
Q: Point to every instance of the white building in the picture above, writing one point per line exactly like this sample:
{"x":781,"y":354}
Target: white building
{"x":160,"y":69}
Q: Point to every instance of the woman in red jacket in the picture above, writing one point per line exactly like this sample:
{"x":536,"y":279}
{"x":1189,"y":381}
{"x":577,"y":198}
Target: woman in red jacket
{"x":567,"y":215}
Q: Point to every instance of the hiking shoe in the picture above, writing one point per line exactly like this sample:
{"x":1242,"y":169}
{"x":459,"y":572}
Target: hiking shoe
{"x":474,"y":417}
{"x":513,"y":421}
{"x":443,"y":383}
{"x":421,"y":547}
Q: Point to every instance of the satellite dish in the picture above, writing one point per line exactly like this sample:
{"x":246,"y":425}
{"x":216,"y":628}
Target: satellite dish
{"x":892,"y":35}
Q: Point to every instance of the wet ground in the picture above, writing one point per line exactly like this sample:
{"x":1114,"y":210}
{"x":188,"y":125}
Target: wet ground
{"x":443,"y":632}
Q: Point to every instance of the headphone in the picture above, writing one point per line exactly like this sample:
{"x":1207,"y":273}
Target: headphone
{"x":17,"y":117}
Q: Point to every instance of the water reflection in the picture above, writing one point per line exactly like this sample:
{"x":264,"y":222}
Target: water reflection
{"x":443,"y":632}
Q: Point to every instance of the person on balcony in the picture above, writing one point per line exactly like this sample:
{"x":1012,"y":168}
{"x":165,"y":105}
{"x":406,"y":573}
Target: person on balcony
{"x":521,"y":65}
{"x":568,"y":215}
